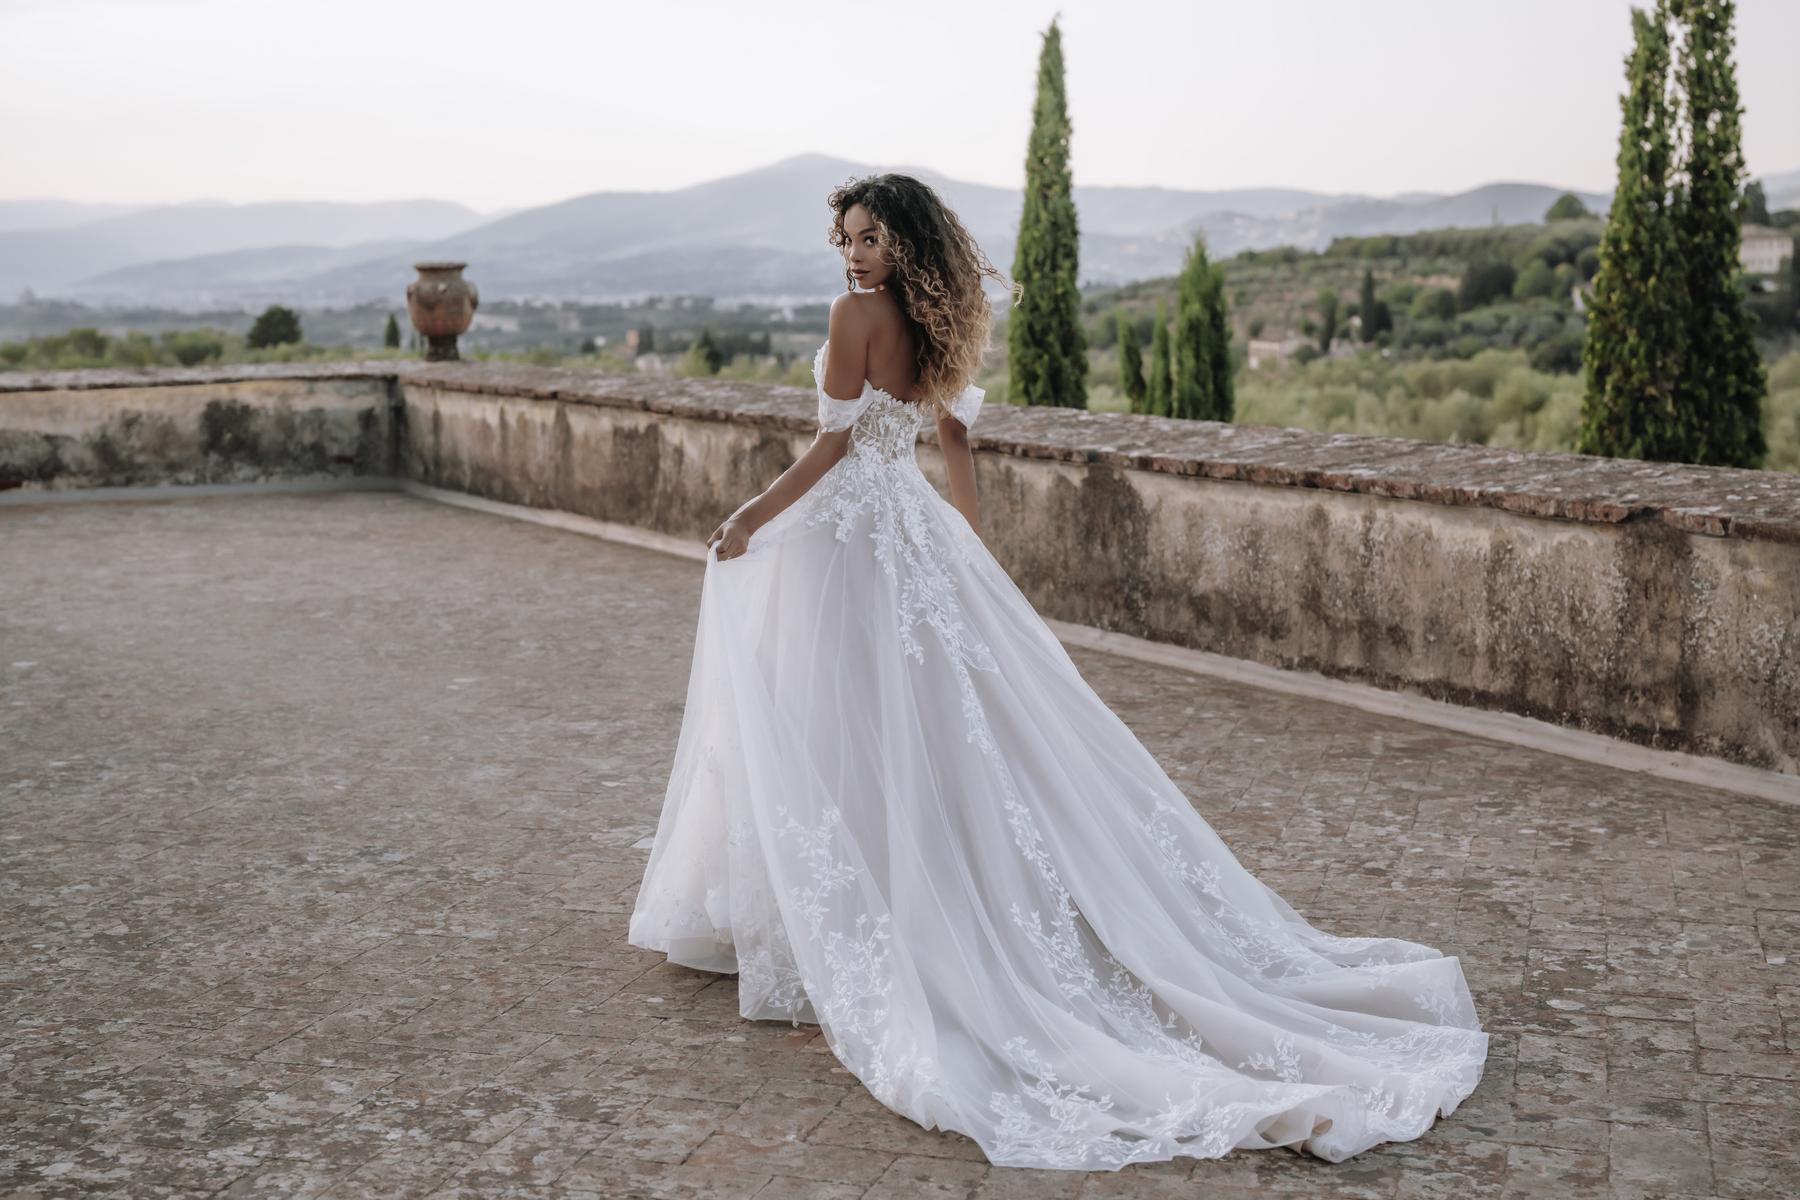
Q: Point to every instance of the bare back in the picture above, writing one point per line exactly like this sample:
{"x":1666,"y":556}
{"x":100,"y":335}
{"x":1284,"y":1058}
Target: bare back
{"x":890,"y":366}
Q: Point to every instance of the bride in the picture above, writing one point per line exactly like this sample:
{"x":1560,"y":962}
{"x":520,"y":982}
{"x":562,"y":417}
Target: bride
{"x":897,"y":810}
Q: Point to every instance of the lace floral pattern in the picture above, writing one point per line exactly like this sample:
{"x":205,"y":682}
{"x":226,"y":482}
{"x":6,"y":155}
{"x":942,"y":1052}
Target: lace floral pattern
{"x":1069,"y":1129}
{"x":965,"y":929}
{"x":879,"y":476}
{"x":853,"y":1005}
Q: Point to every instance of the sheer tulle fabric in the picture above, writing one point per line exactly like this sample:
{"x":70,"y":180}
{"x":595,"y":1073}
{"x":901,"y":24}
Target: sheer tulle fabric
{"x":898,"y":811}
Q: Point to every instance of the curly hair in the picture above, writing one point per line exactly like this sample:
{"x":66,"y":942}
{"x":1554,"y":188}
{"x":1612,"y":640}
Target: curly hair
{"x":937,"y":270}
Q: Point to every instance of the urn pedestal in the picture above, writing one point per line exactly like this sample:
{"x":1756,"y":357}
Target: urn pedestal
{"x":441,"y":304}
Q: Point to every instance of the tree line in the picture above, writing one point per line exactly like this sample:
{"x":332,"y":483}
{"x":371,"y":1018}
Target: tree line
{"x":1669,"y":350}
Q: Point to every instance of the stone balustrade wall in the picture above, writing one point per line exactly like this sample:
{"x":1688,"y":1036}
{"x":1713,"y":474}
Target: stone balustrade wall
{"x":1651,"y":602}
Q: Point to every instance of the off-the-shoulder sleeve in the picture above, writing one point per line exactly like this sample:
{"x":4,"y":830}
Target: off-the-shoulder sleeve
{"x":966,"y":406}
{"x":835,"y":414}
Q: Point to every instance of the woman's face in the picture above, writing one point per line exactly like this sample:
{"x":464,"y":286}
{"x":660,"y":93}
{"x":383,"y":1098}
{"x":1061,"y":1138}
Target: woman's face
{"x":867,"y":263}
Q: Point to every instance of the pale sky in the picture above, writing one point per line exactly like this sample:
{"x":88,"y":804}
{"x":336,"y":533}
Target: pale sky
{"x":514,"y":103}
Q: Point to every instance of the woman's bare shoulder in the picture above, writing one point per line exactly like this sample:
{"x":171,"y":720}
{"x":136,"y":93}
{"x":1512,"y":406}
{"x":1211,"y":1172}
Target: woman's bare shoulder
{"x":875,"y":311}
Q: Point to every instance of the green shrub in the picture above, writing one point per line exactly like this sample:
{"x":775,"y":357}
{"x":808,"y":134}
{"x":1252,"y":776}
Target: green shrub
{"x":1534,"y":281}
{"x":1433,"y":304}
{"x":1494,"y":397}
{"x":86,"y":342}
{"x":274,"y":326}
{"x":135,"y":349}
{"x":193,"y":346}
{"x":1781,"y":414}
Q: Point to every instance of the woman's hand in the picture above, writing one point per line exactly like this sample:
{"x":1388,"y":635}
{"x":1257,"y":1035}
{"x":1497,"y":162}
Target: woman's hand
{"x":732,"y":536}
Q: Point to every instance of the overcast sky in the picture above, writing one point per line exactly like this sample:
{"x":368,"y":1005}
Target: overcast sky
{"x":515,"y":103}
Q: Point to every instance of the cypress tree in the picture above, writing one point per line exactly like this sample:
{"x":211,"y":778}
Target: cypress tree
{"x":1634,"y":345}
{"x":1131,"y":363}
{"x":1723,"y":380}
{"x":1224,"y":397}
{"x":1157,"y":378}
{"x":707,"y":352}
{"x":391,"y":336}
{"x":1192,"y":395}
{"x":1755,"y":203}
{"x":1046,"y":343}
{"x":1328,"y":318}
{"x":1175,"y":357}
{"x":1365,"y":309}
{"x":1793,"y":280}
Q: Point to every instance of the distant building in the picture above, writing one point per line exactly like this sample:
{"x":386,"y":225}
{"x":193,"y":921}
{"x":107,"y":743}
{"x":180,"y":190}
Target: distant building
{"x":1763,"y":247}
{"x":1269,"y":351}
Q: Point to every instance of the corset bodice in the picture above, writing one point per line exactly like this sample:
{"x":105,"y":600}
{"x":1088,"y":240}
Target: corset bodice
{"x":884,"y":428}
{"x":887,"y":429}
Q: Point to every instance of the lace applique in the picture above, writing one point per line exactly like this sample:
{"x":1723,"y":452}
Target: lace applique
{"x":1283,"y":1061}
{"x":1074,"y":1133}
{"x":1074,"y":1130}
{"x":1266,"y":947}
{"x":853,"y":1007}
{"x":879,"y":475}
{"x":770,"y":981}
{"x":1047,"y":1120}
{"x":1275,"y":949}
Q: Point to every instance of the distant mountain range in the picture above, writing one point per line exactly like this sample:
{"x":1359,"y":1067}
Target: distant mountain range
{"x":758,"y":236}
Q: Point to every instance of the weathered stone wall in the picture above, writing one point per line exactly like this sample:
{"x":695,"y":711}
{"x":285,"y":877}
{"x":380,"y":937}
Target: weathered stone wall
{"x":1635,"y":629}
{"x":1651,"y":602}
{"x":97,"y":429}
{"x":616,"y":463}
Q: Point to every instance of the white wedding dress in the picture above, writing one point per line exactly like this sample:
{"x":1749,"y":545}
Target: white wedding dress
{"x":897,"y":810}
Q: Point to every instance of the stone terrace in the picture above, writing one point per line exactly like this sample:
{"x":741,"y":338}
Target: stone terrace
{"x":323,"y":814}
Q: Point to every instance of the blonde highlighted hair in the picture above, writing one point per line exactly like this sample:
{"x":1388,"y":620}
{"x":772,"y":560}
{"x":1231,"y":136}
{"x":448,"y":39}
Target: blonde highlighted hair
{"x":937,"y":271}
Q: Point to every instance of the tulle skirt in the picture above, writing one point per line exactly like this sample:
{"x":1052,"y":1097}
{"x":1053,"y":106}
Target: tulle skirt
{"x":898,"y":811}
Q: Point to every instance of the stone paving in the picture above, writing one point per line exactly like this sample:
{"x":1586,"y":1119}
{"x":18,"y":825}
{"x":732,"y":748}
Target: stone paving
{"x":322,"y":818}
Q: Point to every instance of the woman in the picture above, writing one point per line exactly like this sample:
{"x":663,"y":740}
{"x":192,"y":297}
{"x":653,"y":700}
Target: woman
{"x":897,"y":810}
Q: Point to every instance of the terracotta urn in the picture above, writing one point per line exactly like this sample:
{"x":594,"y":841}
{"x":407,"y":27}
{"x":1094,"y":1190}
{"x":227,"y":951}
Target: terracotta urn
{"x":441,"y":303}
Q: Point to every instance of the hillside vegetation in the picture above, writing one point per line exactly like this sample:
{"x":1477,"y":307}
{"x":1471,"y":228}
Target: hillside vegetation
{"x":1481,"y":341}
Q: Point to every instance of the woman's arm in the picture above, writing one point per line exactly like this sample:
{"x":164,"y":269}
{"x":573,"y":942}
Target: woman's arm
{"x":959,"y":466}
{"x":733,"y":534}
{"x":847,"y":352}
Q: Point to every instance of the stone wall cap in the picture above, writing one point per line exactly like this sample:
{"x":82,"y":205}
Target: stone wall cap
{"x":1714,"y":501}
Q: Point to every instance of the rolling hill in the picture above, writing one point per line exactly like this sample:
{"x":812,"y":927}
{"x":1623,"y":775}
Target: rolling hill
{"x":756,"y":236}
